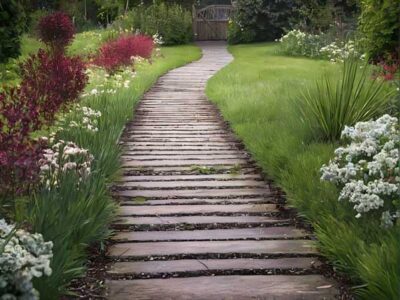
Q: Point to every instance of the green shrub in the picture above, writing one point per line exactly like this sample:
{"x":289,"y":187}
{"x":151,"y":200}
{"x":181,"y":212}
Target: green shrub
{"x":12,"y":24}
{"x":239,"y":35}
{"x":379,"y":23}
{"x":332,"y":104}
{"x":171,"y":22}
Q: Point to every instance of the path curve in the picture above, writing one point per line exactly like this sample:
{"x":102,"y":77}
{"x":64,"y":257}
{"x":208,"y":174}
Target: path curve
{"x":197,"y":219}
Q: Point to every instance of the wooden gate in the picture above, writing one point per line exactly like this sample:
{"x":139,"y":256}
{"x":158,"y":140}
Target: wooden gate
{"x":211,"y":22}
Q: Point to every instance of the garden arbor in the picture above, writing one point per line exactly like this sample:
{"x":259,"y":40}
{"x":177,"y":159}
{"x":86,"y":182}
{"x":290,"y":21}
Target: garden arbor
{"x":211,"y":22}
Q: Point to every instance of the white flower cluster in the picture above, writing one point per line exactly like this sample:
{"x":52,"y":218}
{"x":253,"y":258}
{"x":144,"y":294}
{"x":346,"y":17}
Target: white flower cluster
{"x":368,"y":169}
{"x":23,"y":256}
{"x":157,"y":39}
{"x":338,"y":52}
{"x":61,"y":158}
{"x":104,"y":83}
{"x":296,"y":42}
{"x":88,"y":119}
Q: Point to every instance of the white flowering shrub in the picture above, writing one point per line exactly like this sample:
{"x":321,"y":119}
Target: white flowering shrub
{"x":300,"y":43}
{"x":338,"y":52}
{"x":368,"y":169}
{"x":23,"y":256}
{"x":296,"y":42}
{"x":61,"y":158}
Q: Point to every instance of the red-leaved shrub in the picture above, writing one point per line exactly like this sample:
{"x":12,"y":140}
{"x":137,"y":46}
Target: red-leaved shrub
{"x":56,"y":31}
{"x":19,"y":153}
{"x":117,"y":53}
{"x":49,"y":83}
{"x":52,"y":81}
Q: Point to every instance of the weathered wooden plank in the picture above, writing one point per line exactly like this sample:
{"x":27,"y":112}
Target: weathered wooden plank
{"x":192,"y":184}
{"x":189,"y":169}
{"x":204,"y":193}
{"x":209,"y":266}
{"x":310,"y":287}
{"x":191,"y":201}
{"x":175,"y":132}
{"x":183,"y":157}
{"x":206,"y":139}
{"x":194,"y":154}
{"x":200,"y":220}
{"x":195,"y":209}
{"x":189,"y":177}
{"x":267,"y":247}
{"x":166,"y":163}
{"x":256,"y":233}
{"x":164,"y":147}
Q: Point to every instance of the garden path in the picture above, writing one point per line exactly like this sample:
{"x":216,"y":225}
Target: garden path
{"x":197,"y":219}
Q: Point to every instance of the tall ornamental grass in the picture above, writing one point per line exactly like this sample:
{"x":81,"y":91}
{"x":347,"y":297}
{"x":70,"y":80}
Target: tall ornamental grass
{"x":332,"y":104}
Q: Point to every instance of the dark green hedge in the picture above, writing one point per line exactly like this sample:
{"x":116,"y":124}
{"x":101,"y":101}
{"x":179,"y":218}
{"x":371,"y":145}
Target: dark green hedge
{"x":12,"y":23}
{"x":260,"y":20}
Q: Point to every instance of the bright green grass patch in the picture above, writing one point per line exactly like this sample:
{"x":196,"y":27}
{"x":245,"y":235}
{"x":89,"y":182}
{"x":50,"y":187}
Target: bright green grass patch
{"x":74,"y":218}
{"x":258,"y":94}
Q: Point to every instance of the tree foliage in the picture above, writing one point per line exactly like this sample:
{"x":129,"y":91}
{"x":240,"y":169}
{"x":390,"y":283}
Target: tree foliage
{"x":260,"y":20}
{"x":12,"y":23}
{"x":379,"y":23}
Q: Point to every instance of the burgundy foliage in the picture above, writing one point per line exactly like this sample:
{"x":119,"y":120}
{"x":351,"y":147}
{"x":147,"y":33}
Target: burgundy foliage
{"x":49,"y":83}
{"x":19,"y":154}
{"x":117,"y":53}
{"x":56,"y":31}
{"x":52,"y":81}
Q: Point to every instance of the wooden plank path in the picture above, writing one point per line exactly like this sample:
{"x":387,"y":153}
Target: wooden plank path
{"x":197,"y":219}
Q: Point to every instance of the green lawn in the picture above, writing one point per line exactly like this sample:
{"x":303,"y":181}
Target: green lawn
{"x":257,"y":94}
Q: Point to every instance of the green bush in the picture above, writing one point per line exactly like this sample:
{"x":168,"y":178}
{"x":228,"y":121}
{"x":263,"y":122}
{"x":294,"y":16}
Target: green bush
{"x":380,"y":25}
{"x":332,"y":104}
{"x":12,"y":24}
{"x":260,"y":20}
{"x":238,"y":35}
{"x":171,"y":22}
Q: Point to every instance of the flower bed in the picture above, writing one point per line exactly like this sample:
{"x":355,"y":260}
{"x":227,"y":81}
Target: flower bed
{"x":298,"y":43}
{"x":58,"y":186}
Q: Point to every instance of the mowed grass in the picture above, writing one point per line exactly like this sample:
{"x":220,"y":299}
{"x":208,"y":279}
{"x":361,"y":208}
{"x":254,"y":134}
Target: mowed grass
{"x":259,"y":95}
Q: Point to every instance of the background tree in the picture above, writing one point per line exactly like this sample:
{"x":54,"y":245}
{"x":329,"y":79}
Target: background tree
{"x":261,"y":20}
{"x":12,"y":24}
{"x":379,"y":24}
